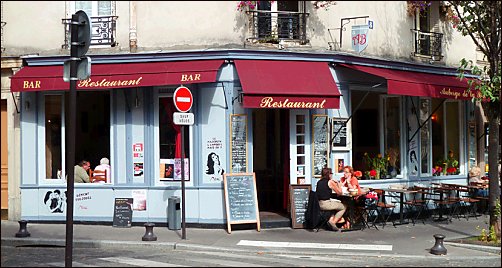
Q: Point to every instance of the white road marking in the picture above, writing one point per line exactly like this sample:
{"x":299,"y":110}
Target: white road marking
{"x":139,"y":262}
{"x":313,"y":245}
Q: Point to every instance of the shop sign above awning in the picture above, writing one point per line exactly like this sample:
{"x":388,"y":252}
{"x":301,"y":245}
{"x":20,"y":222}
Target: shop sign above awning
{"x":287,"y":84}
{"x":419,"y":84}
{"x":118,"y":75}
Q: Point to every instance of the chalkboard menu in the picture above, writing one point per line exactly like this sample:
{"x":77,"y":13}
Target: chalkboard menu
{"x":299,"y":198}
{"x":238,"y":143}
{"x":320,"y":146}
{"x":340,"y":130}
{"x":122,"y":212}
{"x":240,"y":199}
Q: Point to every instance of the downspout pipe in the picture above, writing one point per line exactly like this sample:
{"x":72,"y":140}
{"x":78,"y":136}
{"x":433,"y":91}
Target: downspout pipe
{"x":133,"y":46}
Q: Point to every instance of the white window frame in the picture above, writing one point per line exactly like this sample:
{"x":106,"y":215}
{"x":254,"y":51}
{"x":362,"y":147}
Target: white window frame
{"x":156,"y":142}
{"x":383,"y":127}
{"x":307,"y":173}
{"x":41,"y":144}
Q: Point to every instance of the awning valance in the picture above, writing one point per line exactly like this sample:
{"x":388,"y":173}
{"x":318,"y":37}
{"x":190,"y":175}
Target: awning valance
{"x":287,"y":84}
{"x":118,"y":75}
{"x":419,"y":84}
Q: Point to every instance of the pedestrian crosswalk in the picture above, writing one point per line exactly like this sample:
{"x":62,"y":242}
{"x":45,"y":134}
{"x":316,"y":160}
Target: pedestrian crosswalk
{"x":190,"y":258}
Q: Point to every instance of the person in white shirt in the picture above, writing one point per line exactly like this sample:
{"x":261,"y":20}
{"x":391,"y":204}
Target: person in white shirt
{"x":104,"y":164}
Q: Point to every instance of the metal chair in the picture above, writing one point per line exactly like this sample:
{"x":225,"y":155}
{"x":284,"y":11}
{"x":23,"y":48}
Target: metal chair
{"x":315,"y":217}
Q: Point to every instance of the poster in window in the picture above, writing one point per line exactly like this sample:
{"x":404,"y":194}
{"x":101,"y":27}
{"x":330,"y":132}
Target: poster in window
{"x":339,"y":133}
{"x":238,"y":142}
{"x":320,"y":136}
{"x":139,"y":200}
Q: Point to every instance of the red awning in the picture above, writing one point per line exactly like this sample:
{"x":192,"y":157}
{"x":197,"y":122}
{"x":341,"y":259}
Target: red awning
{"x":287,"y":84}
{"x":118,"y":75}
{"x":410,"y":83}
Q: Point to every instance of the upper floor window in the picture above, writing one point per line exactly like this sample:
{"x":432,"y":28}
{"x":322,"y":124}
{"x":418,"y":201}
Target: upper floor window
{"x":94,"y":8}
{"x":103,"y":19}
{"x":427,"y":43}
{"x":272,"y":21}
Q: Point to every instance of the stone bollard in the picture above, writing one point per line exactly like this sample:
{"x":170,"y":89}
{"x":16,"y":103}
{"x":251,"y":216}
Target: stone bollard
{"x":149,"y":236}
{"x":22,"y":229}
{"x":438,"y":248}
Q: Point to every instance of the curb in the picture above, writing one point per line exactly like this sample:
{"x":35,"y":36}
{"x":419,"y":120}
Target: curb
{"x":490,"y":249}
{"x":188,"y":246}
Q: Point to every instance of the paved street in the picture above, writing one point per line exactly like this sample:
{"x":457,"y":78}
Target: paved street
{"x":155,"y":257}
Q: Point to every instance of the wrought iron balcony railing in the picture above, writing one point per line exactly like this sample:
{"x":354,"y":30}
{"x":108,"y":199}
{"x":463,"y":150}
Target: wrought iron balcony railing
{"x":103,"y":31}
{"x":268,"y":26}
{"x":428,"y":44}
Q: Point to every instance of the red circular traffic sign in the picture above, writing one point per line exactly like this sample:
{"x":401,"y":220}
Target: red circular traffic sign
{"x":183,"y":99}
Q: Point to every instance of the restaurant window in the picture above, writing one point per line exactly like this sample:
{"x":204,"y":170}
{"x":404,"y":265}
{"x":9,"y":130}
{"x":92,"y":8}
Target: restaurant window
{"x":392,"y":134}
{"x":53,"y":136}
{"x":446,"y":135}
{"x":170,"y":142}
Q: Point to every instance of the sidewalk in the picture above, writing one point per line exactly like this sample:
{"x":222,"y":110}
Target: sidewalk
{"x":404,"y":240}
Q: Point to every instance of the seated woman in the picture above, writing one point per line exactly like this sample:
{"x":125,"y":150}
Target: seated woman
{"x":475,"y":178}
{"x":350,"y":181}
{"x":325,"y":187}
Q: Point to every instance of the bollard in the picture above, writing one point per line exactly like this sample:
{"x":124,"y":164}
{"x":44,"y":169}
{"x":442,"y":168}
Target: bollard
{"x":149,"y":236}
{"x":22,"y":229}
{"x":438,"y":248}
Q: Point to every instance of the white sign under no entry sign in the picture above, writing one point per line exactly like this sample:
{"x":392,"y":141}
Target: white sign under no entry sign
{"x":183,"y":119}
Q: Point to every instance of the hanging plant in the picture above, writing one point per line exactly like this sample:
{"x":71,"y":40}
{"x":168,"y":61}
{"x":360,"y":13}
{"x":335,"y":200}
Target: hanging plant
{"x":412,"y":6}
{"x":323,"y":4}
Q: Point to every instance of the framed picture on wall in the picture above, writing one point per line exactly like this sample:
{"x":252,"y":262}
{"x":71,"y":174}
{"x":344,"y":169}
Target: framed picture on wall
{"x":320,"y":142}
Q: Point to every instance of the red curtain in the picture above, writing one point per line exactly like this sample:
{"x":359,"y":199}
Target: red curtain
{"x":169,"y":110}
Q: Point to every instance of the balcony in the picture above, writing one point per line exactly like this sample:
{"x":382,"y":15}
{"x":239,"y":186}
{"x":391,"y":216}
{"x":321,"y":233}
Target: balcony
{"x":274,"y":26}
{"x":103,"y":32}
{"x":428,"y":44}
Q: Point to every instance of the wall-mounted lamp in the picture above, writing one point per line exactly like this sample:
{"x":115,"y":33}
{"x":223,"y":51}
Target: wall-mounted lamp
{"x":27,"y":105}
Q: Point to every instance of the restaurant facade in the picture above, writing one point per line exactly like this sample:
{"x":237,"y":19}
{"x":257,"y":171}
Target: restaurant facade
{"x":282,"y":115}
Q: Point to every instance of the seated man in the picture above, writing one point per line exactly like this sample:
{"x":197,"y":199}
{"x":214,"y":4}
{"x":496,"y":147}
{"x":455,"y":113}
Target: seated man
{"x":325,"y":188}
{"x":80,"y":171}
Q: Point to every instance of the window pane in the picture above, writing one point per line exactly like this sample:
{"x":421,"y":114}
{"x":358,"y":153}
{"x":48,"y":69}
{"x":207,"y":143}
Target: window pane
{"x":300,"y":129}
{"x":85,"y":6}
{"x":300,"y":119}
{"x":425,"y":135}
{"x":53,"y":157}
{"x":452,"y":124}
{"x":300,"y":149}
{"x":300,"y":160}
{"x":300,"y":140}
{"x":170,"y":140}
{"x":104,"y":8}
{"x":437,"y":135}
{"x":392,"y":133}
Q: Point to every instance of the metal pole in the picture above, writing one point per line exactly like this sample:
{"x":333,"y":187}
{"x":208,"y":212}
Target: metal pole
{"x":183,"y":229}
{"x":70,"y":148}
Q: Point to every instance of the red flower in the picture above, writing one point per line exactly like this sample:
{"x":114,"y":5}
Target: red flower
{"x":358,"y":173}
{"x":373,"y":173}
{"x":451,"y":170}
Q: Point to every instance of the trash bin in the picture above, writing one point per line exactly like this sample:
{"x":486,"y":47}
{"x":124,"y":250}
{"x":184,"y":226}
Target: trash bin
{"x":174,"y":213}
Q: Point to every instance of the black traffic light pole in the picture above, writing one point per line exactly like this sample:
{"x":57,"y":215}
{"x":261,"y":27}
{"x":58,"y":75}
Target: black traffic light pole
{"x":70,"y":149}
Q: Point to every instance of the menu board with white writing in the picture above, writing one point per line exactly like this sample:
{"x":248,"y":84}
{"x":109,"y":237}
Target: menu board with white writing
{"x":240,"y":199}
{"x":299,"y":198}
{"x":339,"y":132}
{"x":320,"y":148}
{"x":122,"y":212}
{"x":238,"y":143}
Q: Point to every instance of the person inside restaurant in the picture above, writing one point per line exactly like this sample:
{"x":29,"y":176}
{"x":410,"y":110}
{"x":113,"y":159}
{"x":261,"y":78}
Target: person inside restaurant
{"x":327,"y":190}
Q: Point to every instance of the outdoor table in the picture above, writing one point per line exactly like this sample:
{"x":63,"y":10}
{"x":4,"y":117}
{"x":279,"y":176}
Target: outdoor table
{"x":350,"y":213}
{"x":401,"y":193}
{"x":441,"y":190}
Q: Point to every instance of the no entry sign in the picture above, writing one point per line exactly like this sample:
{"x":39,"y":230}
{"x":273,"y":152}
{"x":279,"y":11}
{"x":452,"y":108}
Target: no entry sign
{"x":183,"y":99}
